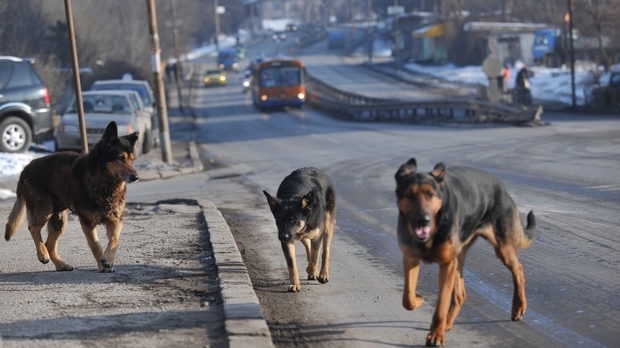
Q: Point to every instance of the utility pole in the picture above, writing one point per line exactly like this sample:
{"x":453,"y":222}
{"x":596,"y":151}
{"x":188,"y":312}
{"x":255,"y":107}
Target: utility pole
{"x":162,"y":111}
{"x":76,"y":76}
{"x":177,"y":54}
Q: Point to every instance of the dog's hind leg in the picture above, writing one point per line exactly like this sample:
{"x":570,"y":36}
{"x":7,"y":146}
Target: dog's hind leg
{"x":327,"y":244}
{"x":291,"y":263}
{"x":55,"y":228}
{"x":37,"y":218}
{"x":113,"y":230}
{"x":509,"y":255}
{"x":310,"y":247}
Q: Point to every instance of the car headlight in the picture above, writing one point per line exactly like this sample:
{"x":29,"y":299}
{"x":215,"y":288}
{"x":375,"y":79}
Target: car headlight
{"x":301,"y":96}
{"x":222,"y":78}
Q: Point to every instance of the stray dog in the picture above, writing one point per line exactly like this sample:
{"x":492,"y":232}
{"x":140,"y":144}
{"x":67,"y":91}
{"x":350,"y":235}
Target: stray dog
{"x":92,"y":186}
{"x":440,"y":216}
{"x":305,"y":209}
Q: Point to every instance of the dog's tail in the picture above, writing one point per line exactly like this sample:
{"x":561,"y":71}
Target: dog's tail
{"x":15,"y":217}
{"x":529,"y":230}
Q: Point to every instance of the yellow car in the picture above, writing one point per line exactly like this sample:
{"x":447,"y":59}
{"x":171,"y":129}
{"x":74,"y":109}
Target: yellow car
{"x":214,"y":77}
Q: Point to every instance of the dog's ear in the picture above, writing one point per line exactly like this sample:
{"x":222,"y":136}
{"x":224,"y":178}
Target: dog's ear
{"x":439,"y":172}
{"x":111,"y":132}
{"x":407,"y":168}
{"x":132,"y":138}
{"x":306,"y":201}
{"x":274,"y":202}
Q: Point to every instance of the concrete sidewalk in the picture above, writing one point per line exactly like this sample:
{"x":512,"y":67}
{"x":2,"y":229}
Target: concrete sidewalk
{"x":244,"y":321}
{"x":158,"y":257}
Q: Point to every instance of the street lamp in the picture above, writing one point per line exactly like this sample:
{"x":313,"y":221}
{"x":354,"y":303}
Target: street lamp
{"x":218,"y":11}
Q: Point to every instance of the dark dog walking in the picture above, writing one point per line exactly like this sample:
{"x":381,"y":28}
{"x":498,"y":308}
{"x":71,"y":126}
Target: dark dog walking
{"x":305,"y":209}
{"x":440,"y":216}
{"x":92,"y":186}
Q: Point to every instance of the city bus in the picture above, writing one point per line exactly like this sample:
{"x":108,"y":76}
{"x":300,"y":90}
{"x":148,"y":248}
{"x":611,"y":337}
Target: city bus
{"x":278,"y":83}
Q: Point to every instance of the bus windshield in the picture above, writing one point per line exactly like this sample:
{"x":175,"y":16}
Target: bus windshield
{"x":280,"y":76}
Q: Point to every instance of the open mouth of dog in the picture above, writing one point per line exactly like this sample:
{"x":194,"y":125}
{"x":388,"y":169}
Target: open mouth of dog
{"x":422,"y":232}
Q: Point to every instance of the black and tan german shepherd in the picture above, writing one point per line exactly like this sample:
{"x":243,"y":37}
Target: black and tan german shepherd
{"x":440,"y":216}
{"x":305,"y":209}
{"x":92,"y":186}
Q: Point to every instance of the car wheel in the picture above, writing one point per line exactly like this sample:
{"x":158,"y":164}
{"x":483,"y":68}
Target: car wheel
{"x":148,"y":141}
{"x":15,"y":135}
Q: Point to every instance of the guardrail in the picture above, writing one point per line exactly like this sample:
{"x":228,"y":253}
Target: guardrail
{"x":354,"y":107}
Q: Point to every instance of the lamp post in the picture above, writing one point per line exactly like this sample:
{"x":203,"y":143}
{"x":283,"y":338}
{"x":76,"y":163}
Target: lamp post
{"x":216,"y":8}
{"x":572,"y":52}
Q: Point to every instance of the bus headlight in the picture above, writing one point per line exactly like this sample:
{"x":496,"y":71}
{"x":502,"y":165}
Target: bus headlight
{"x":264,"y":97}
{"x":301,"y":96}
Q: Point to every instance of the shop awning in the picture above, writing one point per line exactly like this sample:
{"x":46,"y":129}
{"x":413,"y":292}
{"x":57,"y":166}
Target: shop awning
{"x":435,"y":30}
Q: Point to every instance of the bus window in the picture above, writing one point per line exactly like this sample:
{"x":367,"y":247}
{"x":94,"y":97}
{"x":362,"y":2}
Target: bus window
{"x":291,"y":76}
{"x":270,"y":77}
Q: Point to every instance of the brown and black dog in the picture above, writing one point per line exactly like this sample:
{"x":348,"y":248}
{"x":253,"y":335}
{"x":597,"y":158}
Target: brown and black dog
{"x":440,"y":216}
{"x":305,"y":209}
{"x":92,"y":186}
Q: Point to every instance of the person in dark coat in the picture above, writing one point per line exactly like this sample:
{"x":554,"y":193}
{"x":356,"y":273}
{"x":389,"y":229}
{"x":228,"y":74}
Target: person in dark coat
{"x":523,"y":86}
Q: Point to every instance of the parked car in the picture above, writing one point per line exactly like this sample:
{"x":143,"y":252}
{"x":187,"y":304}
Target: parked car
{"x":25,"y":112}
{"x":214,"y":77}
{"x":100,"y":107}
{"x":146,"y":93}
{"x":606,"y":92}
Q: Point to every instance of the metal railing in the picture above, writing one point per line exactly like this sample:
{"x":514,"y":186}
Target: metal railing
{"x":355,"y":107}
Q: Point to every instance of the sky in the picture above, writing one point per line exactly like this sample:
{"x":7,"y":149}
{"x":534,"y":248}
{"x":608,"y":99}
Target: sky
{"x":546,"y":83}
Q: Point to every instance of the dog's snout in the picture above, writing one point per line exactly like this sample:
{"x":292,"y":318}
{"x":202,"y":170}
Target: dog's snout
{"x":133,"y":178}
{"x":284,"y":237}
{"x":424,"y":219}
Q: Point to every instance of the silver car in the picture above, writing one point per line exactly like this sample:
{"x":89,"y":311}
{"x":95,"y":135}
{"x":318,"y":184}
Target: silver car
{"x":144,"y":90}
{"x":100,"y":107}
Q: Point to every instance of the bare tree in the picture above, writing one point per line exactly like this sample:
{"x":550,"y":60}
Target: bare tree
{"x":599,"y":18}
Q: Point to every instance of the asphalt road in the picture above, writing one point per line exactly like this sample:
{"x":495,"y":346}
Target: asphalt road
{"x":566,"y":172}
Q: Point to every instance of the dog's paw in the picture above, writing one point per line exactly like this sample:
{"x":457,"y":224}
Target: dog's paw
{"x":64,"y":267}
{"x":323,"y":279}
{"x":435,"y":339}
{"x":517,"y":313}
{"x":44,"y":260}
{"x":311,"y":277}
{"x":106,"y":266}
{"x":294,"y":288}
{"x":412,"y":303}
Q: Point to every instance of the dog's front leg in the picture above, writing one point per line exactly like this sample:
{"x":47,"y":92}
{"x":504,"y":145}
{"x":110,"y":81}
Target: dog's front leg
{"x":411,"y":300}
{"x":327,"y":244}
{"x":447,"y":273}
{"x":90,"y":232}
{"x":291,"y":263}
{"x":311,"y":270}
{"x":113,"y":230}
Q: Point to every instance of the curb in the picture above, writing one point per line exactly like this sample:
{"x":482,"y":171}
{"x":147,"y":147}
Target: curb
{"x":244,"y":321}
{"x":165,"y":171}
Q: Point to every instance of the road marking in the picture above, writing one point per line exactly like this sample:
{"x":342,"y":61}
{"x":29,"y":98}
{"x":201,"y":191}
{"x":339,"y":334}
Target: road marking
{"x":612,"y":187}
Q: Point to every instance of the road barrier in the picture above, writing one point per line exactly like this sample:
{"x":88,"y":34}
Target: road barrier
{"x":354,"y":107}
